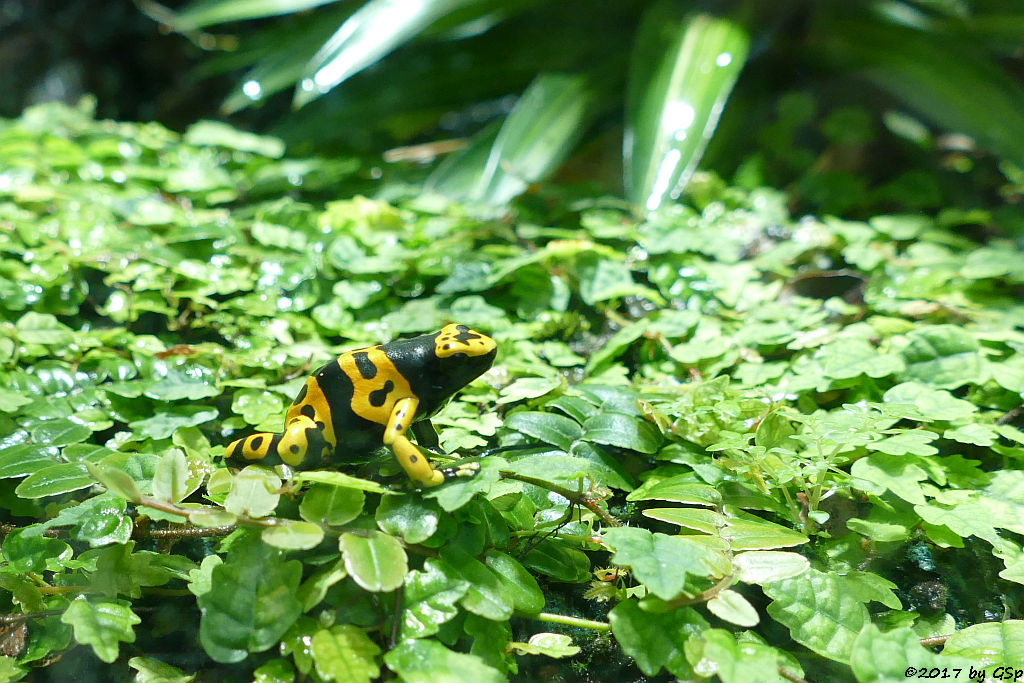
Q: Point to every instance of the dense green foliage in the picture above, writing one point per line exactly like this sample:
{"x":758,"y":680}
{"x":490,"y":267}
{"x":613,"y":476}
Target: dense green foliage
{"x":723,"y":441}
{"x":649,"y":79}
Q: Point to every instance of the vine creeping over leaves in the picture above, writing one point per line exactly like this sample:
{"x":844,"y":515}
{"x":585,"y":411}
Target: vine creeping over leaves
{"x":702,"y":427}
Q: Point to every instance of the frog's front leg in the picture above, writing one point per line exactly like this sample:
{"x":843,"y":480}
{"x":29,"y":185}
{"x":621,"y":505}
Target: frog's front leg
{"x":409,"y":456}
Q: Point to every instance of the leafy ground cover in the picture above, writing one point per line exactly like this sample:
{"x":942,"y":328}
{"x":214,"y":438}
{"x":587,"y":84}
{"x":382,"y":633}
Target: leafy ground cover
{"x":720,"y":441}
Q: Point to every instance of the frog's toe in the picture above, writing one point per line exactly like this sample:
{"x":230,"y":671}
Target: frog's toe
{"x":465,"y":470}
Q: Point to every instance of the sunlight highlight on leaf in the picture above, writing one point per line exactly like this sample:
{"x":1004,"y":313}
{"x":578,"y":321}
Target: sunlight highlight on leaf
{"x":682,"y":74}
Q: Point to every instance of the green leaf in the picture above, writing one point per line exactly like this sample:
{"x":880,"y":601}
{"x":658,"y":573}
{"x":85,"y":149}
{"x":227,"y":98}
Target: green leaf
{"x":25,"y":458}
{"x":611,"y":349}
{"x":220,"y":134}
{"x":427,"y":661}
{"x":100,"y":521}
{"x":818,"y":613}
{"x":373,"y":31}
{"x":28,"y":553}
{"x":275,"y":671}
{"x":560,"y":467}
{"x":253,"y":492}
{"x":898,"y":474}
{"x":527,"y":388}
{"x":704,"y":521}
{"x":548,"y":427}
{"x":154,"y":671}
{"x":43,"y":328}
{"x":487,"y":594}
{"x":527,"y":596}
{"x":945,"y":356}
{"x":575,"y":407}
{"x":849,"y":358}
{"x":934,"y":404}
{"x":102,"y":625}
{"x":170,"y":481}
{"x":913,"y":442}
{"x":977,"y":434}
{"x":10,"y":401}
{"x":762,"y":566}
{"x":656,"y":640}
{"x":749,"y":532}
{"x":893,"y":655}
{"x":377,"y":561}
{"x":345,"y":653}
{"x":624,"y":431}
{"x":947,"y":81}
{"x":211,"y":517}
{"x":605,"y":279}
{"x":164,"y":423}
{"x":251,"y":601}
{"x":292,"y":535}
{"x":256,"y":406}
{"x":429,"y":598}
{"x":734,"y":608}
{"x":411,"y":517}
{"x":340,"y":479}
{"x":117,"y":481}
{"x":987,"y":262}
{"x":54,"y":480}
{"x":554,"y":645}
{"x":558,"y":562}
{"x":209,"y":12}
{"x":9,"y":669}
{"x":680,"y":489}
{"x":314,"y":589}
{"x":534,"y":139}
{"x":663,"y":562}
{"x":60,"y":432}
{"x":176,"y":385}
{"x":682,"y":74}
{"x":1001,"y":643}
{"x":454,"y":494}
{"x":333,"y":505}
{"x":735,"y":660}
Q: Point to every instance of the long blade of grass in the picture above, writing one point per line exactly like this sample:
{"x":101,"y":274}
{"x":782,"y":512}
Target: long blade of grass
{"x":374,"y":30}
{"x":211,"y":12}
{"x":538,"y":134}
{"x":946,"y":81}
{"x":682,"y":74}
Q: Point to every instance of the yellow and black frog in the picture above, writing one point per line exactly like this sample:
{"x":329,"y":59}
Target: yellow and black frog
{"x":373,"y":396}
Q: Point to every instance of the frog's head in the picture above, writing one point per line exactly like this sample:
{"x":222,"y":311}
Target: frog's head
{"x":464,"y":354}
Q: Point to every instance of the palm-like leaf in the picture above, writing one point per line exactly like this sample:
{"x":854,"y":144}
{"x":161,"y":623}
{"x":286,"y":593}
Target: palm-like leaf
{"x":377,"y":28}
{"x":535,"y":138}
{"x":677,"y":94}
{"x":212,"y":12}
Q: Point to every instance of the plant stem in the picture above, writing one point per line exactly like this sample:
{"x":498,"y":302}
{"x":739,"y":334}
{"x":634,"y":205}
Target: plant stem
{"x":579,"y":622}
{"x":571,"y":496}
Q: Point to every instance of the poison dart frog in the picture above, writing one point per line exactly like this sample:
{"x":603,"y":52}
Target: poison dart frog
{"x":373,"y":396}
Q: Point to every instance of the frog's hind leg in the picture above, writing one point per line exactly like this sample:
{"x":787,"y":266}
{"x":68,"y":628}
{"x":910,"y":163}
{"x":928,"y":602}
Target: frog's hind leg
{"x":409,"y":456}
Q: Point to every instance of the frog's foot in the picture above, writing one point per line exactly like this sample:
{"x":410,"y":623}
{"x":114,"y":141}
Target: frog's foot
{"x":465,"y":470}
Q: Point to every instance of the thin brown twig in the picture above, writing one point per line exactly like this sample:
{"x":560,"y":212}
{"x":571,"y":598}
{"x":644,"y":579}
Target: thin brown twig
{"x":15,"y":618}
{"x":571,"y":496}
{"x":934,"y":641}
{"x":790,"y":676}
{"x":191,"y":531}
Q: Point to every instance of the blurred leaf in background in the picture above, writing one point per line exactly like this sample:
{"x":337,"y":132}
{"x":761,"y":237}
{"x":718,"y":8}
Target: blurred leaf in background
{"x":390,"y":72}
